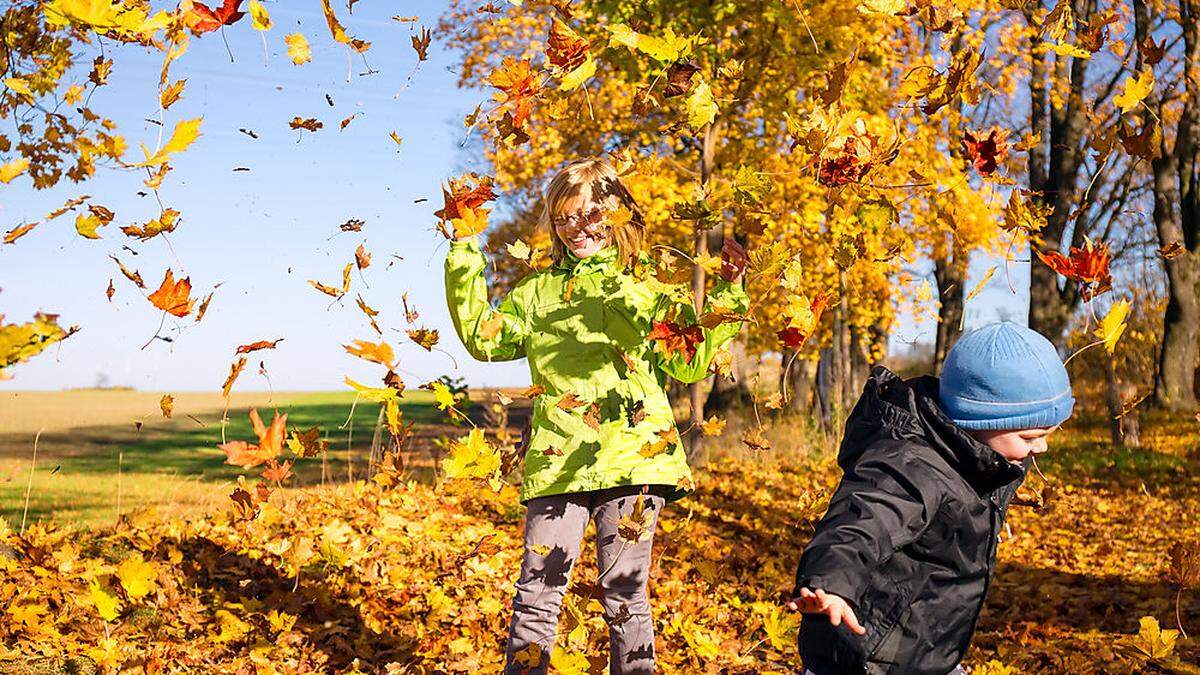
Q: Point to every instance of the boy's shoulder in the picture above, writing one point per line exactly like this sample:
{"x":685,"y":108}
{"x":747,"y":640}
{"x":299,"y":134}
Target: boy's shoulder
{"x":907,"y":463}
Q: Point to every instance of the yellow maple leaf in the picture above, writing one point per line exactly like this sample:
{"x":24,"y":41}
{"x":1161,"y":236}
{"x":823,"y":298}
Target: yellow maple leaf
{"x":1136,"y":89}
{"x":138,"y":577}
{"x":1151,"y":641}
{"x":18,"y":84}
{"x":297,"y":48}
{"x":106,"y":605}
{"x":232,"y":628}
{"x":10,"y":170}
{"x":578,"y":75}
{"x":442,"y":395}
{"x":669,"y":48}
{"x":713,"y":426}
{"x":472,"y":457}
{"x":259,"y":18}
{"x":376,"y":394}
{"x":86,"y":224}
{"x":569,"y":663}
{"x":106,"y":654}
{"x":1113,"y":324}
{"x":182,"y":136}
{"x":98,"y":14}
{"x":701,"y":106}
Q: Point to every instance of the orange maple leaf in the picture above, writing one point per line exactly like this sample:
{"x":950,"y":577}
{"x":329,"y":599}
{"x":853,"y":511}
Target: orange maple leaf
{"x":172,"y":295}
{"x":1088,"y":265}
{"x":463,"y":194}
{"x":270,"y":442}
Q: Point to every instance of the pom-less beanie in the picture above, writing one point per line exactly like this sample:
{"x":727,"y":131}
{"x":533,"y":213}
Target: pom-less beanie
{"x":1005,"y":376}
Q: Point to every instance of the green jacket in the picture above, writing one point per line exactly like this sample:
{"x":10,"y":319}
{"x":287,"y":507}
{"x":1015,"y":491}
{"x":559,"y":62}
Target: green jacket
{"x":575,"y":346}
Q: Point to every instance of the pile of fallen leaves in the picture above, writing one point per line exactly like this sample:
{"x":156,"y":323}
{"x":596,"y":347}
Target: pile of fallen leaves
{"x":419,"y":579}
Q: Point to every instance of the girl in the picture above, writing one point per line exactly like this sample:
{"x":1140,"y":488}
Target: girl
{"x":603,"y":443}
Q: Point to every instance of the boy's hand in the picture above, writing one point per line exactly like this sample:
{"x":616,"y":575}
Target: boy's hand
{"x":733,"y":260}
{"x":831,"y":605}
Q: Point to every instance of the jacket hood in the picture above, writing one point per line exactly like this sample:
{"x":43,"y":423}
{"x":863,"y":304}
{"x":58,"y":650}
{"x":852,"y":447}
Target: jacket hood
{"x":892,"y":407}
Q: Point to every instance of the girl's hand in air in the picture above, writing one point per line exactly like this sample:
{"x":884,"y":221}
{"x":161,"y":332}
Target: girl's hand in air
{"x":733,"y":260}
{"x":833,"y":606}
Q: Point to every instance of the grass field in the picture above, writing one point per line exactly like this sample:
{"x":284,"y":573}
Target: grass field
{"x":94,"y":461}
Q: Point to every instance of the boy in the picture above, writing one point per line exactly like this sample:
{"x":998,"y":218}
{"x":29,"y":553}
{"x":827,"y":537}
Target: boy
{"x":895,"y":576}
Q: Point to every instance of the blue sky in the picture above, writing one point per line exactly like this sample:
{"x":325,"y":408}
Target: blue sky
{"x":263,"y":233}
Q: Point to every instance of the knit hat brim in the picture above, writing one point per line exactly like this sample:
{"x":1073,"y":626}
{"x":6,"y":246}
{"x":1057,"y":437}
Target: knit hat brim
{"x":999,"y":416}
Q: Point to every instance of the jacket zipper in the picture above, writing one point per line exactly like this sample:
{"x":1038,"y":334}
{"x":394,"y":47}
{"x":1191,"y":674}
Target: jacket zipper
{"x":993,"y":508}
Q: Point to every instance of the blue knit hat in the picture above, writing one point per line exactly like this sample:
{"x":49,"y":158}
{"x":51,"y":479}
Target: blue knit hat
{"x":1005,"y":376}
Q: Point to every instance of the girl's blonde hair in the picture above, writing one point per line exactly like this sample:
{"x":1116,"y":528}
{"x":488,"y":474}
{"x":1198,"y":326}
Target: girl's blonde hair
{"x":586,"y":182}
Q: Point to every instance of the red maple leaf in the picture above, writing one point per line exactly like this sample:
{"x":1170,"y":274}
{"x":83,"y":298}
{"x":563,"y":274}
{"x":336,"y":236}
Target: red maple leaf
{"x":986,"y":152}
{"x":201,"y":19}
{"x":670,"y":338}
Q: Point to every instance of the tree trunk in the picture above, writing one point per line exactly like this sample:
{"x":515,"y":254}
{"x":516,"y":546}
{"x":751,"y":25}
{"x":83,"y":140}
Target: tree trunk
{"x":1053,"y":168}
{"x":799,"y":383}
{"x":825,"y":389}
{"x":1175,"y":181}
{"x":1174,"y":385}
{"x":950,"y":277}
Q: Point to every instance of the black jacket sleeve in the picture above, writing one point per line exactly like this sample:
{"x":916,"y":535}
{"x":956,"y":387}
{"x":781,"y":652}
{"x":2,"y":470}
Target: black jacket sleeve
{"x":885,"y":501}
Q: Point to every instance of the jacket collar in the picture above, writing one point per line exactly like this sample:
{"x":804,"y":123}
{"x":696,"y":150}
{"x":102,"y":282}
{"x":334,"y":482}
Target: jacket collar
{"x":898,"y":408}
{"x":602,"y":259}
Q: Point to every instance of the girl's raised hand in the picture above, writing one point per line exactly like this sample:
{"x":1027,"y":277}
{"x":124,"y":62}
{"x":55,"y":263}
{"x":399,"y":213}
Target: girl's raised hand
{"x":733,"y":260}
{"x":833,"y":606}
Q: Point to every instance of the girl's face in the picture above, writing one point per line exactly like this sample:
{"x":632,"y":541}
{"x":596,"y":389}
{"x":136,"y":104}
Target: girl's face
{"x":582,"y":229}
{"x":1016,"y":444}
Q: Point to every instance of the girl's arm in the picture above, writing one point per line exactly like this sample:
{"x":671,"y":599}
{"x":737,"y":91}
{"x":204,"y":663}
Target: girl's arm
{"x":731,"y":297}
{"x":488,"y":334}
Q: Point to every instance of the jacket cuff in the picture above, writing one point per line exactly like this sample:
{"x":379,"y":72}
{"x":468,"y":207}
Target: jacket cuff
{"x":841,"y":585}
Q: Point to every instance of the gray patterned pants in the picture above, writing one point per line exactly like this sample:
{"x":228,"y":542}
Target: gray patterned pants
{"x":554,"y":529}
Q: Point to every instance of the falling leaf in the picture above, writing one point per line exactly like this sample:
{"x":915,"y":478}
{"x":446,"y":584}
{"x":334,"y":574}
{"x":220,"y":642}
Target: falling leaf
{"x":978,"y":288}
{"x":713,"y":426}
{"x":986,"y":152}
{"x":173,"y":296}
{"x":632,"y":527}
{"x":1113,"y":324}
{"x":259,"y":18}
{"x":200,"y":19}
{"x":420,"y":44}
{"x":257,"y":345}
{"x":183,"y":135}
{"x":1136,"y":89}
{"x":166,"y":404}
{"x":235,"y":369}
{"x":10,"y":170}
{"x":376,"y":352}
{"x":670,"y":338}
{"x":297,"y":48}
{"x":425,"y":337}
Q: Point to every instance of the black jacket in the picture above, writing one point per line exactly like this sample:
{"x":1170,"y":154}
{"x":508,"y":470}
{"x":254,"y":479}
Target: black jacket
{"x":910,"y":536}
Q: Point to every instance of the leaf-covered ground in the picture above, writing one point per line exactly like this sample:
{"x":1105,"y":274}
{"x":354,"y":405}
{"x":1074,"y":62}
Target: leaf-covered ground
{"x":419,"y":579}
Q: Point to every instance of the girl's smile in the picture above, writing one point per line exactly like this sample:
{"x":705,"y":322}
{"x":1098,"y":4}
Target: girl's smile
{"x":583,"y":233}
